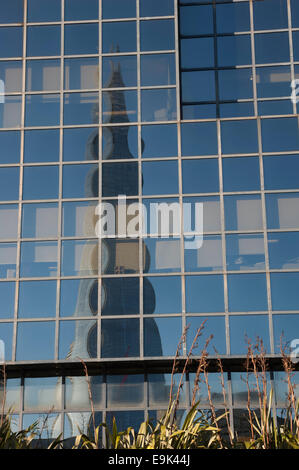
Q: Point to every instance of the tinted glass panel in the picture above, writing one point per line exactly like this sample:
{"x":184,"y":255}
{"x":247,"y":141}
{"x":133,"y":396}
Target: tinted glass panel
{"x":71,"y":301}
{"x":76,"y":10}
{"x":11,"y":12}
{"x":157,"y":341}
{"x":284,"y":288}
{"x":239,"y":137}
{"x":158,"y":69}
{"x":247,"y":292}
{"x":9,"y":184}
{"x":79,"y":258}
{"x":42,"y":110}
{"x":43,"y":40}
{"x":281,"y":172}
{"x":41,"y":146}
{"x":32,"y":297}
{"x":234,"y":50}
{"x":81,"y":39}
{"x":199,"y":139}
{"x":160,"y":177}
{"x":39,"y":220}
{"x":81,"y":73}
{"x":157,"y":35}
{"x":43,"y":75}
{"x":197,"y":52}
{"x":213,"y":326}
{"x":163,"y":303}
{"x":11,"y":42}
{"x":159,"y":141}
{"x":200,"y":176}
{"x":243,"y":212}
{"x":158,"y":105}
{"x":245,"y":252}
{"x":161,"y":8}
{"x":232,"y":17}
{"x":119,"y":37}
{"x":198,"y":86}
{"x":272,"y":47}
{"x":120,"y":338}
{"x":80,"y":144}
{"x":85,"y":178}
{"x":118,"y":9}
{"x":10,"y":147}
{"x":8,"y":221}
{"x":284,"y":250}
{"x":163,"y":255}
{"x":7,"y":292}
{"x":241,"y":174}
{"x":35,"y":341}
{"x":70,"y":339}
{"x":248,"y":327}
{"x":282,"y":210}
{"x":198,"y":298}
{"x":271,"y":14}
{"x":10,"y":112}
{"x":8,"y":257}
{"x":196,"y":19}
{"x":45,"y":10}
{"x":206,"y":258}
{"x":78,"y":219}
{"x":281,"y":134}
{"x":38,"y":259}
{"x":11,"y":75}
{"x":41,"y":182}
{"x":285,"y":329}
{"x":80,"y":108}
{"x":126,"y":65}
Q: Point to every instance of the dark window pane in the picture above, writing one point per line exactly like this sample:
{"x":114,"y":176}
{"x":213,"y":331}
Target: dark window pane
{"x":42,"y":110}
{"x":7,"y":306}
{"x":196,"y":20}
{"x":200,"y":176}
{"x":235,"y":84}
{"x":233,"y":17}
{"x":38,"y":259}
{"x":120,"y":71}
{"x":198,"y":86}
{"x":158,"y":69}
{"x":120,"y":338}
{"x":43,"y":75}
{"x":248,"y":327}
{"x":41,"y":146}
{"x":270,"y":108}
{"x":272,"y":47}
{"x":156,"y":297}
{"x":118,"y":9}
{"x":199,"y":139}
{"x":76,"y":10}
{"x":270,"y":14}
{"x":120,"y":256}
{"x":239,"y":136}
{"x":80,"y":144}
{"x":81,"y":108}
{"x":32,"y":297}
{"x":10,"y":147}
{"x":120,"y":296}
{"x":161,"y":336}
{"x":35,"y":341}
{"x":285,"y":331}
{"x":9,"y":184}
{"x":73,"y":303}
{"x":273,"y":82}
{"x":247,"y":292}
{"x":119,"y":178}
{"x":43,"y":40}
{"x":119,"y":37}
{"x":237,"y":109}
{"x":81,"y":73}
{"x":39,"y":220}
{"x":43,"y":10}
{"x":280,"y":134}
{"x":77,"y":339}
{"x":123,"y":113}
{"x":40,"y":182}
{"x":295,"y":13}
{"x":119,"y":142}
{"x":157,"y":35}
{"x":11,"y":12}
{"x":241,"y":174}
{"x":159,"y":141}
{"x":161,"y":8}
{"x":281,"y":172}
{"x":11,"y":75}
{"x":198,"y":294}
{"x":284,"y":288}
{"x":11,"y":42}
{"x":81,"y":39}
{"x":197,"y":52}
{"x":234,"y":50}
{"x":214,"y":326}
{"x":160,"y":177}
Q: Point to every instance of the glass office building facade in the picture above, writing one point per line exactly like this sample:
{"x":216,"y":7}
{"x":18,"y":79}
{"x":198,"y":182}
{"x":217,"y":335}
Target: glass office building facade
{"x":162,"y":102}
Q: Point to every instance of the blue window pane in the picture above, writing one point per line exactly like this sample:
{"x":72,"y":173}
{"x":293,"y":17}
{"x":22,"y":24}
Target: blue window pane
{"x":43,"y":75}
{"x":35,"y":341}
{"x":7,"y":306}
{"x":10,"y":112}
{"x":119,"y":178}
{"x":113,"y":134}
{"x":199,"y":139}
{"x":48,"y":425}
{"x":234,"y":50}
{"x":197,"y":52}
{"x":158,"y":105}
{"x":236,"y":110}
{"x":41,"y":182}
{"x":245,"y":252}
{"x":200,"y":176}
{"x":71,"y":303}
{"x":6,"y":333}
{"x":75,"y":179}
{"x":213,"y":326}
{"x":81,"y":39}
{"x":121,"y":392}
{"x":284,"y":250}
{"x":70,"y":339}
{"x":198,"y":294}
{"x":74,"y":218}
{"x":211,"y":211}
{"x":11,"y":12}
{"x":117,"y":114}
{"x":42,"y":110}
{"x":163,"y":303}
{"x":118,"y":9}
{"x":161,"y":8}
{"x":235,"y":84}
{"x":163,"y":255}
{"x":243,"y":212}
{"x":270,"y":108}
{"x":295,"y":13}
{"x":160,"y":177}
{"x":272,"y":47}
{"x":248,"y":327}
{"x":9,"y":184}
{"x":80,"y":108}
{"x":43,"y":41}
{"x":8,"y":259}
{"x":161,"y":336}
{"x":232,"y":17}
{"x":282,"y":210}
{"x":273,"y":82}
{"x":157,"y":69}
{"x":39,"y":220}
{"x":202,"y":111}
{"x":119,"y":37}
{"x":80,"y":144}
{"x":241,"y":174}
{"x":196,"y":20}
{"x":45,"y":10}
{"x":280,"y":134}
{"x":128,"y":69}
{"x":247,"y":292}
{"x":270,"y":14}
{"x":157,"y":35}
{"x":81,"y":73}
{"x":284,"y":288}
{"x":79,"y":258}
{"x":8,"y":221}
{"x":41,"y":146}
{"x":286,"y":329}
{"x":159,"y":141}
{"x":198,"y":86}
{"x":10,"y":147}
{"x":280,"y":172}
{"x":239,"y":137}
{"x":76,"y":10}
{"x":32,"y":297}
{"x":11,"y":75}
{"x":120,"y":296}
{"x":120,"y":338}
{"x":207,"y":257}
{"x":38,"y":259}
{"x":11,"y":42}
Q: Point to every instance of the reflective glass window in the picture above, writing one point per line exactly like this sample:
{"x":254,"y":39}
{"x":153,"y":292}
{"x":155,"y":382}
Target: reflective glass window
{"x":235,"y":84}
{"x":32,"y":295}
{"x":211,"y":211}
{"x":199,"y":138}
{"x":280,"y":134}
{"x":77,"y":397}
{"x":247,"y":292}
{"x":38,"y":259}
{"x":279,"y":107}
{"x":6,"y":332}
{"x":8,"y":221}
{"x":42,"y":110}
{"x":11,"y":42}
{"x":157,"y":35}
{"x":158,"y":105}
{"x":9,"y":184}
{"x":207,"y":257}
{"x":199,"y":111}
{"x":126,"y":65}
{"x":125,"y":260}
{"x":12,"y":400}
{"x":270,"y":14}
{"x":35,"y":341}
{"x":282,"y":210}
{"x":81,"y":73}
{"x":43,"y":41}
{"x":46,"y":10}
{"x":76,"y":10}
{"x":80,"y":181}
{"x":200,"y":176}
{"x":39,"y":220}
{"x":159,"y":387}
{"x":72,"y":303}
{"x":156,"y":299}
{"x":239,"y":136}
{"x":213,"y":326}
{"x":125,"y":419}
{"x":160,"y":177}
{"x":162,"y":255}
{"x":78,"y":219}
{"x":272,"y":47}
{"x":116,"y":114}
{"x":234,"y":50}
{"x":284,"y":250}
{"x":284,"y":289}
{"x":198,"y":86}
{"x":159,"y":140}
{"x":8,"y":257}
{"x":157,"y":69}
{"x":241,"y":174}
{"x":48,"y":425}
{"x":81,"y":39}
{"x":295,"y":13}
{"x":42,"y":392}
{"x":10,"y":147}
{"x":41,"y":146}
{"x":281,"y":172}
{"x":245,"y":252}
{"x":241,"y":382}
{"x":196,"y":20}
{"x":161,"y":8}
{"x":238,"y":109}
{"x":11,"y":75}
{"x":214,"y":380}
{"x":119,"y":37}
{"x":80,"y":144}
{"x":197,"y":53}
{"x":157,"y":340}
{"x":80,"y":108}
{"x":43,"y":75}
{"x":79,"y":258}
{"x":127,"y":136}
{"x":41,"y":182}
{"x":233,"y":17}
{"x":198,"y":294}
{"x":118,"y":9}
{"x":12,"y":12}
{"x":273,"y":82}
{"x":7,"y":306}
{"x":161,"y":216}
{"x":123,"y":390}
{"x":248,"y":327}
{"x":120,"y":338}
{"x":70,"y":339}
{"x":120,"y":296}
{"x":285,"y":331}
{"x":243,"y":212}
{"x":10,"y":112}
